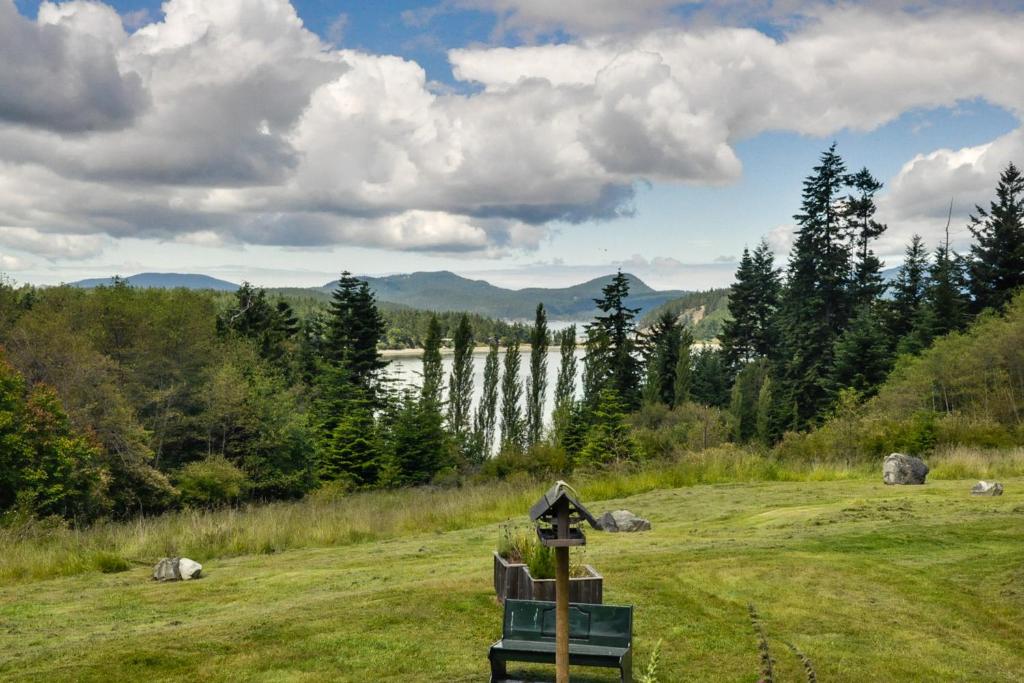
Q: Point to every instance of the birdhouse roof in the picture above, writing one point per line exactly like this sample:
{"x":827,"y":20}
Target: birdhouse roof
{"x":545,"y":508}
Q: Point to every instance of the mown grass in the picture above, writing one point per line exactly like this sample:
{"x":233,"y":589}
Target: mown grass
{"x":871,"y":583}
{"x":35,"y":550}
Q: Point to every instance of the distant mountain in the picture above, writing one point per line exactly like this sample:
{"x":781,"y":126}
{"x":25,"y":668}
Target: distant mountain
{"x":703,"y":312}
{"x":446,"y":291}
{"x":163,"y":281}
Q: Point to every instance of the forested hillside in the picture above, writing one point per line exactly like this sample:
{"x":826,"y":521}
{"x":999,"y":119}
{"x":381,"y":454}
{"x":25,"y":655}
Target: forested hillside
{"x":120,"y":400}
{"x":703,"y":312}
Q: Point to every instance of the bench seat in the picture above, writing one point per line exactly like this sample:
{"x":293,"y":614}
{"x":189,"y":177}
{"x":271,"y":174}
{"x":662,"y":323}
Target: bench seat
{"x":599,"y":635}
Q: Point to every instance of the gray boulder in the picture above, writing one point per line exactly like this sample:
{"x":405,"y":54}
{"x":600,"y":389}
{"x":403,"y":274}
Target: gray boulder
{"x":177,"y":569}
{"x":987,"y":488}
{"x":622,"y":520}
{"x":903,"y":469}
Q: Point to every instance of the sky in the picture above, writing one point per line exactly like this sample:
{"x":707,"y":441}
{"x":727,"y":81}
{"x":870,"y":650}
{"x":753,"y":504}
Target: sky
{"x":524,"y":142}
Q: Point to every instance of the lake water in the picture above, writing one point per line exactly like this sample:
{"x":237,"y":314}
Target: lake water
{"x":408,"y":371}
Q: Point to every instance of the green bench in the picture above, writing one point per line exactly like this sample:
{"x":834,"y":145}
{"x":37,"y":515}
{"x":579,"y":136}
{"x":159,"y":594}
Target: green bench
{"x":599,"y":635}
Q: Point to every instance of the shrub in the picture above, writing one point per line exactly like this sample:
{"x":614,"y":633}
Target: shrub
{"x":211,"y":483}
{"x":110,"y":563}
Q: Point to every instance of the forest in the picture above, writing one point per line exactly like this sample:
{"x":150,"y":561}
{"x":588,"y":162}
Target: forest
{"x":116,"y":402}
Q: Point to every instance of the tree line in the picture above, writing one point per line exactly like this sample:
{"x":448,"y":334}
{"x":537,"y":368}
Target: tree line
{"x":120,"y":401}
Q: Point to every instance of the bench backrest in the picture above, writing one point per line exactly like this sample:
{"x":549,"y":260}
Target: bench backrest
{"x":607,"y":625}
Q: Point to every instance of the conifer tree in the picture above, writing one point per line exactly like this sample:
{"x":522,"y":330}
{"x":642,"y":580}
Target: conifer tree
{"x":537,"y":384}
{"x":815,"y":305}
{"x":753,"y":304}
{"x":433,"y":370}
{"x":618,"y":329}
{"x":709,"y":384}
{"x":945,"y":296}
{"x":868,"y":284}
{"x":460,"y":383}
{"x":744,"y":405}
{"x":565,"y":386}
{"x":595,"y":365}
{"x":683,"y":380}
{"x":354,"y":329}
{"x":351,"y":453}
{"x":485,"y":420}
{"x":512,"y":428}
{"x":608,"y":438}
{"x":419,"y":446}
{"x":862,"y":355}
{"x":661,"y":355}
{"x":908,"y":290}
{"x":997,"y":256}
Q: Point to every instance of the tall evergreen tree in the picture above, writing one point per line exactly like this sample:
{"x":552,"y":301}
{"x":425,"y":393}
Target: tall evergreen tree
{"x":681,"y":389}
{"x":419,"y":446}
{"x":460,"y":383}
{"x":744,"y":405}
{"x":862,"y":355}
{"x":709,"y":384}
{"x":354,"y":329}
{"x":815,"y":304}
{"x":608,"y":439}
{"x":433,"y":370}
{"x":618,"y":325}
{"x":487,"y":409}
{"x":565,"y":386}
{"x":868,"y":285}
{"x":595,"y":365}
{"x":512,"y":426}
{"x":753,"y":304}
{"x":946,"y":296}
{"x":538,"y":383}
{"x":661,"y":356}
{"x":997,"y":256}
{"x":351,"y":453}
{"x":908,"y":290}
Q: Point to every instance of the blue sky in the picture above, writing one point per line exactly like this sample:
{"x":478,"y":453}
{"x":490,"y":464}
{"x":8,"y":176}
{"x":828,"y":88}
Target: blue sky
{"x":340,"y":158}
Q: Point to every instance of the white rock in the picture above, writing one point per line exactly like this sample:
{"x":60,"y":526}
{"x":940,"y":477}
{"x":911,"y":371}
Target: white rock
{"x":189,"y":569}
{"x":987,"y":488}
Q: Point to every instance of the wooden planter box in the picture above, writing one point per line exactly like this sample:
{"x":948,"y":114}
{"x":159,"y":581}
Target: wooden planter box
{"x":506,"y":578}
{"x":588,"y":588}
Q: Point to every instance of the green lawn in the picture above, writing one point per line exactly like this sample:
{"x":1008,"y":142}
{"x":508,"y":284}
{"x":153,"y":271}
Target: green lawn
{"x":872,"y":583}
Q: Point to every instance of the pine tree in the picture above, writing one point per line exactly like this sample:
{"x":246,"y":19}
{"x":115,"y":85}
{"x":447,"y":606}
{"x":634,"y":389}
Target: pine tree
{"x":710,"y":378}
{"x":661,"y":356}
{"x":460,"y":383}
{"x":868,"y":284}
{"x":486,"y":411}
{"x":595,"y":365}
{"x":419,"y":446}
{"x":744,"y":405}
{"x":537,"y":384}
{"x":683,"y":381}
{"x":565,"y":386}
{"x":750,"y":332}
{"x":815,"y":304}
{"x":862,"y":355}
{"x":512,"y":428}
{"x":351,"y":453}
{"x":608,"y":438}
{"x":619,"y":330}
{"x":946,"y":303}
{"x":908,"y":290}
{"x":433,"y":370}
{"x":354,"y":329}
{"x":997,"y":256}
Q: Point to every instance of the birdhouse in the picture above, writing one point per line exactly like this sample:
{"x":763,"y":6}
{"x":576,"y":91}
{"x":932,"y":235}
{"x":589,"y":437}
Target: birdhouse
{"x":558,"y":515}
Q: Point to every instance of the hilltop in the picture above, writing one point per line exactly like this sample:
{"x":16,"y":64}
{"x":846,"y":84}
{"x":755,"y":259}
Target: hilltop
{"x":162,"y":281}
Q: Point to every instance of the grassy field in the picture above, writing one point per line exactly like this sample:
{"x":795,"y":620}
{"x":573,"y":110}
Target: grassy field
{"x":872,"y":583}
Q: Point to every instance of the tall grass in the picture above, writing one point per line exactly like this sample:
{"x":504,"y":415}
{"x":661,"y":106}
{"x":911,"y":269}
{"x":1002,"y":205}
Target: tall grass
{"x":35,"y":549}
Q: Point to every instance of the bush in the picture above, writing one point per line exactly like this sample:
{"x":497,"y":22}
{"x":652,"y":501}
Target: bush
{"x":111,"y":563}
{"x":211,"y":483}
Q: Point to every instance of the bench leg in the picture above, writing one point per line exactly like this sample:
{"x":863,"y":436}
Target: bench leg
{"x":626,"y":667}
{"x":498,"y":671}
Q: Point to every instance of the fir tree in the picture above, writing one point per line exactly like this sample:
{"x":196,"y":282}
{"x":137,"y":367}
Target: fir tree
{"x":460,"y":383}
{"x":744,"y":405}
{"x":565,"y":386}
{"x":619,"y":330}
{"x":683,"y":381}
{"x":512,"y":435}
{"x":595,"y":365}
{"x":862,"y":356}
{"x":419,"y":446}
{"x":661,"y":355}
{"x":354,"y":329}
{"x":945,"y":296}
{"x":997,"y":256}
{"x":753,"y":303}
{"x":908,"y":290}
{"x":486,"y":411}
{"x":867,"y":285}
{"x":815,"y":304}
{"x":537,"y":384}
{"x":709,"y":384}
{"x":351,"y":452}
{"x":608,"y":438}
{"x":433,"y":370}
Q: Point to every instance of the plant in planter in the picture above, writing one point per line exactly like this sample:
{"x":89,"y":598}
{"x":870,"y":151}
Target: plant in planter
{"x":525,"y":569}
{"x":515,"y":544}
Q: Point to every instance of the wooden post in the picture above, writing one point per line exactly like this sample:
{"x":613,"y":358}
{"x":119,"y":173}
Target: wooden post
{"x":562,"y":597}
